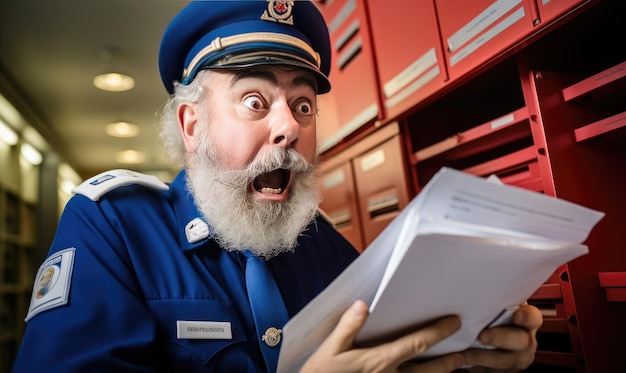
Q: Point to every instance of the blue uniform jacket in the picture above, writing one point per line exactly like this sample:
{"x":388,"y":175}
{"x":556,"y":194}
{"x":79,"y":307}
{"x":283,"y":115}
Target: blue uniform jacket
{"x":135,"y":274}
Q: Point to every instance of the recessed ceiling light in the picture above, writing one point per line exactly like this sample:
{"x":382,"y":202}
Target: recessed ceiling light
{"x":31,"y":154}
{"x":114,"y":82}
{"x":122,"y":129}
{"x":130,"y":157}
{"x":7,"y":134}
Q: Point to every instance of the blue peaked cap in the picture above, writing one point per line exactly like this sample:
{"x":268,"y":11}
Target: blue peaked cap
{"x":234,"y":34}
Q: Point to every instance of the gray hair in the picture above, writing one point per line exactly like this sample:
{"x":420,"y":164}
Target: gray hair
{"x":170,"y":128}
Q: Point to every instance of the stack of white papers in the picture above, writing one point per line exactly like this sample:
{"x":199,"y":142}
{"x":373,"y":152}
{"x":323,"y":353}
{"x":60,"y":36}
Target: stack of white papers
{"x":466,"y":246}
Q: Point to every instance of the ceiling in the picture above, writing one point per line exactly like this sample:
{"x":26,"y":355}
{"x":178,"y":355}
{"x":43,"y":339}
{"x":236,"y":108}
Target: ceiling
{"x":50,"y":52}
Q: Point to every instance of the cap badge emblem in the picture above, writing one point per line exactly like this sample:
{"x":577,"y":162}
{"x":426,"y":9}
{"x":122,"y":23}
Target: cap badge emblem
{"x":279,"y":11}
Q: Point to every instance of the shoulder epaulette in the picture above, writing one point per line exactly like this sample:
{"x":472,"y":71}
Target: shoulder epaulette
{"x":97,"y":186}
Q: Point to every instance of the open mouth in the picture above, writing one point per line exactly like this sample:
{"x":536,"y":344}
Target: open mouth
{"x":273,"y":182}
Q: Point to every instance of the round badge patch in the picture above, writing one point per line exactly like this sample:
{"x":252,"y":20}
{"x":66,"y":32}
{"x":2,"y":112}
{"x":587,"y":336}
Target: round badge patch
{"x":47,"y":280}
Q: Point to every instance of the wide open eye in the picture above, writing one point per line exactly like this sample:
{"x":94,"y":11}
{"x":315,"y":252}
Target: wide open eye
{"x":305,"y":108}
{"x":254,"y":103}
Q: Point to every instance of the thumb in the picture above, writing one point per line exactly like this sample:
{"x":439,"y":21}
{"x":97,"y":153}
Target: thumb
{"x":342,"y":337}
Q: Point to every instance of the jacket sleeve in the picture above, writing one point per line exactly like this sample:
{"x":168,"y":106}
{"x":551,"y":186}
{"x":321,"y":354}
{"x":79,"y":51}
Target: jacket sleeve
{"x":104,"y":325}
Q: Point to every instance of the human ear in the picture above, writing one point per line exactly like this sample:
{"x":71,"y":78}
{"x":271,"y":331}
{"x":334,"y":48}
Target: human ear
{"x":187,"y":119}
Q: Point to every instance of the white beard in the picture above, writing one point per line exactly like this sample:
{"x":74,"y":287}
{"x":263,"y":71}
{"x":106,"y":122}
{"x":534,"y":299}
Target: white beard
{"x":238,"y":219}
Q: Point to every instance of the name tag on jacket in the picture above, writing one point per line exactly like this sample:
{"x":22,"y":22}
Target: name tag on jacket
{"x":203,"y":330}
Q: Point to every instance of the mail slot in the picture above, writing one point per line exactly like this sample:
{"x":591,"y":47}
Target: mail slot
{"x":341,"y":218}
{"x":384,"y":205}
{"x":518,"y":168}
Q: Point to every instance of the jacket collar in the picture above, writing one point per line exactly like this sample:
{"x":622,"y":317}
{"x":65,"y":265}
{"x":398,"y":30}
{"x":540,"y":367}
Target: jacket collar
{"x":194,"y":230}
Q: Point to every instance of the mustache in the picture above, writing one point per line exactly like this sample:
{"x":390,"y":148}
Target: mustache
{"x":276,"y":158}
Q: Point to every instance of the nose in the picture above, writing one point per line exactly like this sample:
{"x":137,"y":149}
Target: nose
{"x":285,"y":129}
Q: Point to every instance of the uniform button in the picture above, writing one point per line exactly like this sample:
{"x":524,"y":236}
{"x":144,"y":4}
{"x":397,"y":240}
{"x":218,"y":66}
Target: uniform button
{"x":272,"y":336}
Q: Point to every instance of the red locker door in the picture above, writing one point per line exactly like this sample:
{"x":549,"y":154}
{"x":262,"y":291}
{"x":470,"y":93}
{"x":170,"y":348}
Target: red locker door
{"x":551,"y":9}
{"x":408,"y":52}
{"x":477,"y":31}
{"x":381,"y":185}
{"x":340,"y":204}
{"x":352,"y":74}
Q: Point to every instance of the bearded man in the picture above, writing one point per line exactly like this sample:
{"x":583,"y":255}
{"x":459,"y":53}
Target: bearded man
{"x":200,"y":275}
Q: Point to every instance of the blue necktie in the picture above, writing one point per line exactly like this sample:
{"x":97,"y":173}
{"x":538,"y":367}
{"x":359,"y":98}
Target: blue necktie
{"x":268,"y":308}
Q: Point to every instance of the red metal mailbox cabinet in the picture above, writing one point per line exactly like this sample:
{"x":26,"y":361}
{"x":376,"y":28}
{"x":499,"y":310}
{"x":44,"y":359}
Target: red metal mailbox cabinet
{"x":407,"y":47}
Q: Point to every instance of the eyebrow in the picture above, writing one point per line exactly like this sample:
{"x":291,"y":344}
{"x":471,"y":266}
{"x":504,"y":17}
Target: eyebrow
{"x":254,"y":73}
{"x":305,"y":79}
{"x":269,"y":76}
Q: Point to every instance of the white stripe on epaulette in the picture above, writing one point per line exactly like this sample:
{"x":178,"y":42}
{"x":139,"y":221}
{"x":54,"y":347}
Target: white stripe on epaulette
{"x":99,"y":185}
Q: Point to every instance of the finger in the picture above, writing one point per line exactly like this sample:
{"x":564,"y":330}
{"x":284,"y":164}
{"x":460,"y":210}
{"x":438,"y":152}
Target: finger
{"x":516,"y":344}
{"x":507,"y":338}
{"x":528,"y":317}
{"x":342,"y":337}
{"x":414,"y":344}
{"x":516,"y":338}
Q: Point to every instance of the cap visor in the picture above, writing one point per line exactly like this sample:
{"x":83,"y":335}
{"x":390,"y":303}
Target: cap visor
{"x":242,"y":62}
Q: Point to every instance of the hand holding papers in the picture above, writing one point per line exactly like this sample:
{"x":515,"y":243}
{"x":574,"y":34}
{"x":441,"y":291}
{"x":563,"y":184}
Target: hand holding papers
{"x":463,"y":246}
